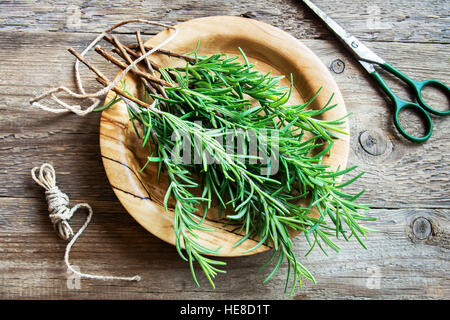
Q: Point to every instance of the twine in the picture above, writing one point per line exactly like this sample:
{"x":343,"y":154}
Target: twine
{"x":60,"y":214}
{"x":58,"y":201}
{"x":94,"y":97}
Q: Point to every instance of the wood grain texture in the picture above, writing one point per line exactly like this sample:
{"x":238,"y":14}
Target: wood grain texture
{"x":396,"y":265}
{"x":399,"y":20}
{"x":404,"y":182}
{"x":27,"y":141}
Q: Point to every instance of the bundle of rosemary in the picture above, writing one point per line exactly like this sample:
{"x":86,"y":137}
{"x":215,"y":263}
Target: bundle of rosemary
{"x":258,"y":182}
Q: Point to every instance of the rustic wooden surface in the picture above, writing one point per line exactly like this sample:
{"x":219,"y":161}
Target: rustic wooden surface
{"x":407,"y":184}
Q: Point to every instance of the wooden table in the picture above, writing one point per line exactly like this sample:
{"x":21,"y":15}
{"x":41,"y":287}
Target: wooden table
{"x":407,"y":184}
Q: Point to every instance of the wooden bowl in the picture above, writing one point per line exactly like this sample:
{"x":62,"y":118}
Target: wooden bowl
{"x":273,"y":50}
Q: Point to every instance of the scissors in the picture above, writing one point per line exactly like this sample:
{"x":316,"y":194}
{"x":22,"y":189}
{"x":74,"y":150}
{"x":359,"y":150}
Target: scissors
{"x":367,"y":58}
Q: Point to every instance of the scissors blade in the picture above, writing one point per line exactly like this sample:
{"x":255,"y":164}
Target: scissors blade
{"x":359,"y":50}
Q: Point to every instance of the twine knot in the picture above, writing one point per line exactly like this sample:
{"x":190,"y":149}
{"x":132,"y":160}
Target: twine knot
{"x":58,"y":201}
{"x":60,"y":214}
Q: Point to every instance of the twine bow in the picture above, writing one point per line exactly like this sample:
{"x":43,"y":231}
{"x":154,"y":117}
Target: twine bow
{"x":60,"y":214}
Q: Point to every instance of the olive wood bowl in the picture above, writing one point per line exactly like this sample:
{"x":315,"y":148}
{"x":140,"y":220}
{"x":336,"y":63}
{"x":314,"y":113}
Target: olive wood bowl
{"x":272,"y":50}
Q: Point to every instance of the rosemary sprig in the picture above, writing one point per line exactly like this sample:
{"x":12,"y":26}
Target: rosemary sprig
{"x":217,"y":90}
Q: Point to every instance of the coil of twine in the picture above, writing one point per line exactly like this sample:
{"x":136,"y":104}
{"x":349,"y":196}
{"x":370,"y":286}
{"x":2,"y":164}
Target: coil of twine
{"x":61,"y":213}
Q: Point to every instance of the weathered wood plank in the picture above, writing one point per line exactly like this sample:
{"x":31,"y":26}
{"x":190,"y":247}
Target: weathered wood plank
{"x":34,"y":36}
{"x":71,"y":142}
{"x":396,"y":266}
{"x":400,"y":20}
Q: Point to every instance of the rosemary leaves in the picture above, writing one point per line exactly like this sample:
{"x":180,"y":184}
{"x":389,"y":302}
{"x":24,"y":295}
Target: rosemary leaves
{"x":270,"y":160}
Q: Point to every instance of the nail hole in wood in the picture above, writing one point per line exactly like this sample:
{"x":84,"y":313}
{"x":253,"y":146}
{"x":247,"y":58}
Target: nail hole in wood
{"x":373,"y":142}
{"x":337,"y":66}
{"x":421,"y":228}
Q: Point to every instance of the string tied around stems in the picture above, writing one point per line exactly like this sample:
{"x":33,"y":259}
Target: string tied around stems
{"x":94,"y":97}
{"x":61,"y":213}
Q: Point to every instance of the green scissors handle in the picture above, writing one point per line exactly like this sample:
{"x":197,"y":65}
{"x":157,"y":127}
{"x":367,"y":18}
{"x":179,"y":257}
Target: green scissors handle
{"x":418,"y":86}
{"x":368,"y":58}
{"x":420,"y":107}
